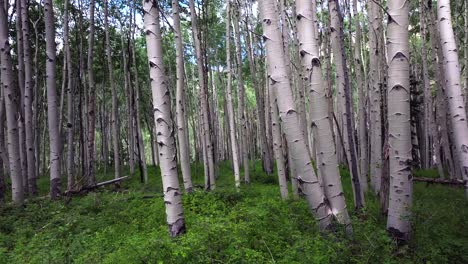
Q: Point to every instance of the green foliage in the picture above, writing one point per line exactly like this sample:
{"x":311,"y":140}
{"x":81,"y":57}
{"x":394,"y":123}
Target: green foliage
{"x":252,"y":225}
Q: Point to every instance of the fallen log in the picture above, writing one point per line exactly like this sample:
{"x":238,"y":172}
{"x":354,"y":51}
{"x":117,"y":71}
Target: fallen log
{"x":97,"y":185}
{"x":439,"y":181}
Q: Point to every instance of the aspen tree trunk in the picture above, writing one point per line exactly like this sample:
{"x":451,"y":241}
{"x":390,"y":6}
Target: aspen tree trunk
{"x":466,"y":57}
{"x":375,"y":79}
{"x":289,"y":116}
{"x":139,"y":135}
{"x":428,"y":137}
{"x":230,"y":107}
{"x":363,"y":164}
{"x":241,"y":94}
{"x":52,"y":108}
{"x":180,"y":102}
{"x":312,"y":75}
{"x":28,"y":97}
{"x":278,"y":148}
{"x":162,"y":117}
{"x":128,"y":91}
{"x":90,"y":174}
{"x":70,"y":101}
{"x":10,"y":95}
{"x":114,"y":117}
{"x":453,"y":89}
{"x":399,"y":127}
{"x":204,"y":98}
{"x":345,"y":88}
{"x":266,"y":154}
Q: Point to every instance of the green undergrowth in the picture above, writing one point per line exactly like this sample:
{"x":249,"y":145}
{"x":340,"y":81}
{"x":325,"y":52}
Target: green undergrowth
{"x":252,"y":225}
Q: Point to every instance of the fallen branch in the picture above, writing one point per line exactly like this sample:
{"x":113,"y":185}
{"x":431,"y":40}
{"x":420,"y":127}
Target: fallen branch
{"x":438,"y":181}
{"x":100,"y":184}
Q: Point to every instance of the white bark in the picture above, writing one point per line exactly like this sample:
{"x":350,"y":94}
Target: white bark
{"x":114,"y":115}
{"x":180,"y":102}
{"x":453,"y":87}
{"x":10,"y":95}
{"x":70,"y":101}
{"x":312,"y":74}
{"x":375,"y":79}
{"x":162,"y":118}
{"x":399,"y":125}
{"x":290,"y":119}
{"x":230,"y":107}
{"x":204,"y":99}
{"x":52,"y":108}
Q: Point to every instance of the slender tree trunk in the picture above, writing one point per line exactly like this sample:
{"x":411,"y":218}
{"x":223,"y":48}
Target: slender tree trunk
{"x":312,"y":75}
{"x":345,"y":89}
{"x":114,"y":118}
{"x":10,"y":95}
{"x":204,"y":98}
{"x":28,"y":97}
{"x":52,"y":107}
{"x":375,"y":80}
{"x":453,"y":89}
{"x":180,"y":102}
{"x":91,"y":177}
{"x":162,"y":117}
{"x":399,"y":127}
{"x":363,"y":163}
{"x":266,"y":154}
{"x":282,"y":90}
{"x":70,"y":101}
{"x":230,"y":107}
{"x":241,"y":94}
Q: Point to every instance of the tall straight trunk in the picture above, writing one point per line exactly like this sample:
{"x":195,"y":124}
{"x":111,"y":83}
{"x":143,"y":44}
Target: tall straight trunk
{"x":163,"y":122}
{"x":363,"y":164}
{"x":344,"y":93}
{"x":327,"y":161}
{"x":182,"y":130}
{"x":128,"y":91}
{"x":52,"y":107}
{"x":466,"y":57}
{"x":114,"y":119}
{"x":266,"y":154}
{"x":206,"y":130}
{"x":70,"y":101}
{"x":10,"y":95}
{"x":282,"y":91}
{"x":399,"y":126}
{"x":278,"y":149}
{"x":453,"y":89}
{"x":91,"y":111}
{"x":28,"y":97}
{"x":375,"y":80}
{"x":230,"y":107}
{"x":241,"y":94}
{"x":428,"y":137}
{"x":139,"y":134}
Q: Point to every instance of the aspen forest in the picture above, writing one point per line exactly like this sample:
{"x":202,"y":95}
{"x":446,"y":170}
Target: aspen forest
{"x":233,"y":131}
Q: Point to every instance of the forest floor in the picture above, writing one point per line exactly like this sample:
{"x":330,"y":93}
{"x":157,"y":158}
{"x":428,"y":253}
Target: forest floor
{"x":225,"y":226}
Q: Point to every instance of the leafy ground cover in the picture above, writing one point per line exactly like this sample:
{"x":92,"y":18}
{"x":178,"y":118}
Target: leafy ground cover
{"x":225,"y":226}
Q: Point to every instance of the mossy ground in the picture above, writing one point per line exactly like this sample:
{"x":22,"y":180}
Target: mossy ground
{"x":224,"y":226}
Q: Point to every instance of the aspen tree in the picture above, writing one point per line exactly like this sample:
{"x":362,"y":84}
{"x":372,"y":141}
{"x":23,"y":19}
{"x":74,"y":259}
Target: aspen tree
{"x":114,"y":115}
{"x":210,"y":170}
{"x":453,"y":87}
{"x":162,"y":118}
{"x":241,"y":93}
{"x":344,"y":97}
{"x":180,"y":102}
{"x":312,"y":74}
{"x":10,"y":95}
{"x":52,"y":108}
{"x":91,"y":107}
{"x":230,"y":107}
{"x":281,"y":89}
{"x":70,"y":101}
{"x":399,"y":127}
